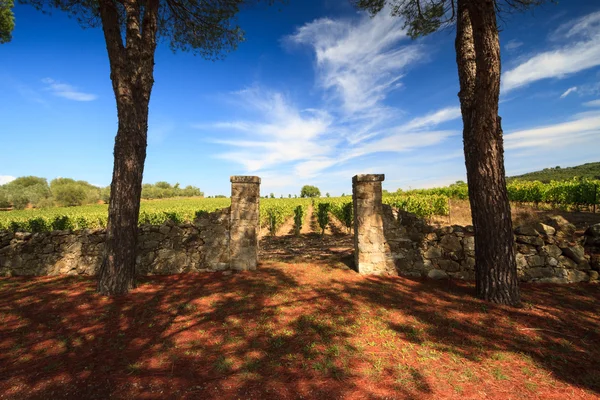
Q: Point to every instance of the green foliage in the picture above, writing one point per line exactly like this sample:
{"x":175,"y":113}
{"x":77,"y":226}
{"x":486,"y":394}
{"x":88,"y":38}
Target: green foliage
{"x":4,"y":202}
{"x":347,"y":214}
{"x":25,"y":190}
{"x":310,"y":191}
{"x":95,"y":216}
{"x":298,"y":216}
{"x":574,"y":192}
{"x":423,"y":17}
{"x":207,"y":28}
{"x":19,"y":200}
{"x":7,"y":20}
{"x":547,"y":175}
{"x":323,"y":216}
{"x":164,"y":190}
{"x":422,"y":205}
{"x":69,"y":194}
{"x":275,"y":218}
{"x":105,"y":194}
{"x":274,"y":212}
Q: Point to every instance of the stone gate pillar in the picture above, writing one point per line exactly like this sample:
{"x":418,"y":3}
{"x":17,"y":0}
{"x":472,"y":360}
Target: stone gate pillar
{"x":244,"y":222}
{"x":372,"y":254}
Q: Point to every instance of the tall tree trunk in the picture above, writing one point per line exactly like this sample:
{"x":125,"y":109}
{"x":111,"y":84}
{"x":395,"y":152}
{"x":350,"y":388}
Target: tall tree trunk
{"x":478,"y":60}
{"x":132,"y":67}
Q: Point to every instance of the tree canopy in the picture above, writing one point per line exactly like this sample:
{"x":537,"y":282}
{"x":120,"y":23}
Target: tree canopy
{"x":310,"y":191}
{"x":423,"y":17}
{"x":7,"y":20}
{"x":208,"y":28}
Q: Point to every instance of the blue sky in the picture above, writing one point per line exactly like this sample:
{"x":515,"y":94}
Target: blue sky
{"x":317,"y":93}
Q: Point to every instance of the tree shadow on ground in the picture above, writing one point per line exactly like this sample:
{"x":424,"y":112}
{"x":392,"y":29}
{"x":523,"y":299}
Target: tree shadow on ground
{"x":291,"y":331}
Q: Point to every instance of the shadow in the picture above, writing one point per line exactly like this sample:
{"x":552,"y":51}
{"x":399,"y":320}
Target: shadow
{"x":287,"y":331}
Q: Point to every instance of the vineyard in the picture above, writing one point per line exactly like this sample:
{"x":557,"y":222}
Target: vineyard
{"x":576,"y":192}
{"x":274,"y":212}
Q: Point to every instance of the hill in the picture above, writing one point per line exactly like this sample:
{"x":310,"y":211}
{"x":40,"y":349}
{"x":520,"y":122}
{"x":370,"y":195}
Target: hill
{"x":589,"y":170}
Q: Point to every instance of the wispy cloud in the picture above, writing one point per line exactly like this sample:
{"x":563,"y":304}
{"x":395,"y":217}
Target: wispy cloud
{"x":585,"y":127}
{"x":593,"y":103}
{"x":580,"y":51}
{"x":309,"y":141}
{"x":6,"y":178}
{"x":433,"y":119}
{"x":360,"y":61}
{"x":281,"y":133}
{"x":568,"y":91}
{"x":513,"y":45}
{"x":67,"y":91}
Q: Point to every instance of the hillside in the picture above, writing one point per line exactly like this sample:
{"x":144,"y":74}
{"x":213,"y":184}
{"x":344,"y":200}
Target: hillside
{"x":589,"y":170}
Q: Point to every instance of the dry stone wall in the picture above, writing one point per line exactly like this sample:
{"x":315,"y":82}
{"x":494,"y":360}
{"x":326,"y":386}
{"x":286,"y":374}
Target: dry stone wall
{"x":544,"y":253}
{"x":389,"y":241}
{"x":218,"y":241}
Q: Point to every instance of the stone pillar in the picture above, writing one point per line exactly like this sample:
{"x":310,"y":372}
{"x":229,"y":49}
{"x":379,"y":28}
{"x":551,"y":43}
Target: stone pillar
{"x":372,"y":254}
{"x":244,"y":222}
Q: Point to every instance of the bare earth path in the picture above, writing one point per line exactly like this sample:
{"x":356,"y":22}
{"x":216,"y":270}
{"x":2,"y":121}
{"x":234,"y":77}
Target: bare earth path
{"x":335,"y":245}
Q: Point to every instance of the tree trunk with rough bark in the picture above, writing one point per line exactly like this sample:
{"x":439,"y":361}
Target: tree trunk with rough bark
{"x":478,"y":61}
{"x":132,"y":67}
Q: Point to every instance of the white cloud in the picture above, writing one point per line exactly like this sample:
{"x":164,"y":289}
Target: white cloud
{"x":584,"y":128}
{"x":6,"y":178}
{"x":593,"y":103}
{"x":359,"y":61}
{"x":513,"y":45}
{"x":582,"y":51}
{"x":308,"y":142}
{"x":568,"y":91}
{"x":433,"y":119}
{"x":282,"y":133}
{"x":67,"y":91}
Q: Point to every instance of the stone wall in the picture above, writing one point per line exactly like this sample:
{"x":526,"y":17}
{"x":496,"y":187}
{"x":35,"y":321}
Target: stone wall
{"x":545,"y":252}
{"x":218,"y":241}
{"x":391,"y":242}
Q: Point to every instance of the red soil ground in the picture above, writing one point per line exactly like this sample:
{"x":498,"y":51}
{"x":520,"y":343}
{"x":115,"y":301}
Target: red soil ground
{"x":289,"y":331}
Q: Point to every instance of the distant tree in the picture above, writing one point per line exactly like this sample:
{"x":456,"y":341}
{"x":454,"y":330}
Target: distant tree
{"x":272,"y":195}
{"x":289,"y":196}
{"x":105,"y":194}
{"x":132,"y":30}
{"x":26,"y":190}
{"x":343,"y":194}
{"x":310,"y":191}
{"x":69,"y":194}
{"x":477,"y":48}
{"x":163,"y":185}
{"x":327,"y":194}
{"x":7,"y":20}
{"x":4,"y":202}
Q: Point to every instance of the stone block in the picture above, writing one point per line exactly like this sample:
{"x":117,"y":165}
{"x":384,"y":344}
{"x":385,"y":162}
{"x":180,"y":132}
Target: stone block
{"x":450,"y":243}
{"x":437,"y":274}
{"x":552,"y":250}
{"x":469,"y":243}
{"x":575,"y":253}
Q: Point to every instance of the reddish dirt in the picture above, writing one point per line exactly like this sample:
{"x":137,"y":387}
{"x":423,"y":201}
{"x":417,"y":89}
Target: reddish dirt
{"x":313,"y":330}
